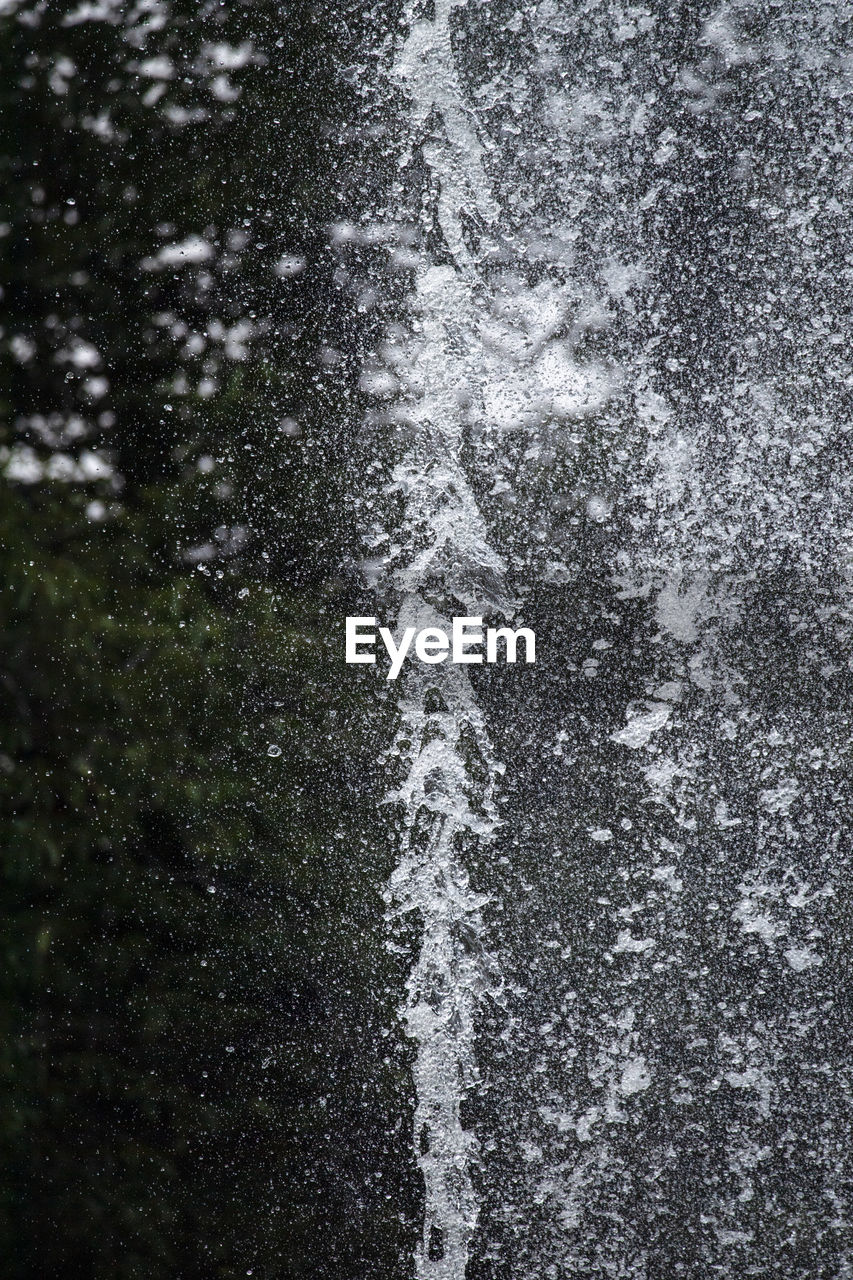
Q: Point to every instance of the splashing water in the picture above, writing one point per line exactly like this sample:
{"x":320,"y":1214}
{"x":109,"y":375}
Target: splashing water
{"x":623,"y":389}
{"x":447,"y":544}
{"x":445,"y":812}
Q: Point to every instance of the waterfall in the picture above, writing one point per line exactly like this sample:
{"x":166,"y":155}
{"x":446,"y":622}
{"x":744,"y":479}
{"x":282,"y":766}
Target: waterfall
{"x":615,"y":407}
{"x":448,"y":799}
{"x":453,"y":970}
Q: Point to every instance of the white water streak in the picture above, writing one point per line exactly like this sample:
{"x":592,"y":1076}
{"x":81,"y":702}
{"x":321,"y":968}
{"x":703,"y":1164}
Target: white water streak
{"x":444,"y":811}
{"x":447,"y":554}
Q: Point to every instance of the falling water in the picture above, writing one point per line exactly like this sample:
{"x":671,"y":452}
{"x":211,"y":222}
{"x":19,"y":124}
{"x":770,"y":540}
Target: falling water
{"x":445,"y":812}
{"x":445,"y":555}
{"x":617,"y":408}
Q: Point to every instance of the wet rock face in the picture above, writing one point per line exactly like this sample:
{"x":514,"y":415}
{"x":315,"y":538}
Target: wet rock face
{"x":623,"y":384}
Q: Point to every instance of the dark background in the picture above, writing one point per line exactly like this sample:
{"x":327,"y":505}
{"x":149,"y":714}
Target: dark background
{"x":195,"y":1079}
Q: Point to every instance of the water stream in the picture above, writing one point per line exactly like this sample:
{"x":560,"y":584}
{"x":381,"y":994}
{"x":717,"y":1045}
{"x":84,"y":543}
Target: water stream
{"x":616,"y":408}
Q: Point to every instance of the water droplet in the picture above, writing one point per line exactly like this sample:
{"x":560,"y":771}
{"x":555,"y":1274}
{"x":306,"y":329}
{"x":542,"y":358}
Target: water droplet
{"x":597,"y":509}
{"x":273,"y":750}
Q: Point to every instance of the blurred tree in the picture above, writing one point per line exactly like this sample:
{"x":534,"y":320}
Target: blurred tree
{"x":194,"y":986}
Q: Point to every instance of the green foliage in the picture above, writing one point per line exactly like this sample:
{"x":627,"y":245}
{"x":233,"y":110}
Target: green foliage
{"x":196,"y":1077}
{"x":192,"y":984}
